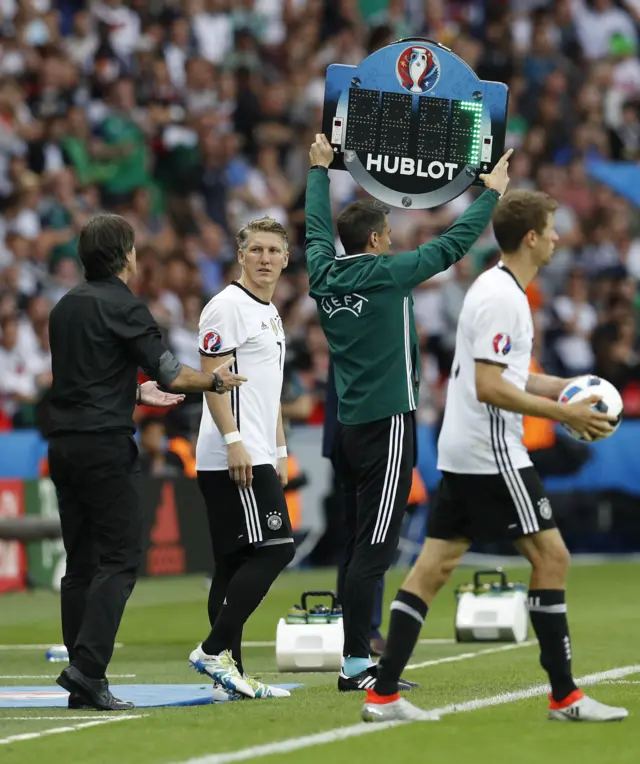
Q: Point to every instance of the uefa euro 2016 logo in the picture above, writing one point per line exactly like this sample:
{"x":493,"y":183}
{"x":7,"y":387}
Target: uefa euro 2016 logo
{"x":418,"y":69}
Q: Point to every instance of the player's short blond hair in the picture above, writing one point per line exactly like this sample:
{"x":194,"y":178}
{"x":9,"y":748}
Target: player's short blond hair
{"x":261,"y":225}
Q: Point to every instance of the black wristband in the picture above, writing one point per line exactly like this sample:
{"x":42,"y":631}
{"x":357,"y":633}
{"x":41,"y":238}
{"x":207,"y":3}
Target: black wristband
{"x":216,"y":385}
{"x":138,"y":395}
{"x":319,"y":167}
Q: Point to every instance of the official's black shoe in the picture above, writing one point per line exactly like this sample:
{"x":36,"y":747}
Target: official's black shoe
{"x":93,"y":693}
{"x":366,"y":680}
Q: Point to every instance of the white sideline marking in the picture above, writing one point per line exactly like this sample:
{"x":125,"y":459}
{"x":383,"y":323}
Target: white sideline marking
{"x":342,"y":733}
{"x":62,"y":717}
{"x":435,"y":661}
{"x":258,"y":644}
{"x":54,"y":676}
{"x":622,"y":681}
{"x":421,"y":641}
{"x":466,"y":656}
{"x":58,"y":730}
{"x":39,"y":647}
{"x":531,"y":692}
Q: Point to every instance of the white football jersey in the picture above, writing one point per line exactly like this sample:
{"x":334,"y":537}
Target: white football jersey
{"x":235,"y":321}
{"x":495,"y":325}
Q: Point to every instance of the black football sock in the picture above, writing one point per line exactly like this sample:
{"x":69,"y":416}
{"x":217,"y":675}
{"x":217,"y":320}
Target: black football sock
{"x":218,"y":591}
{"x":548,"y":611}
{"x":408,"y":612}
{"x":236,"y":651}
{"x":226,"y":568}
{"x":245,"y":592}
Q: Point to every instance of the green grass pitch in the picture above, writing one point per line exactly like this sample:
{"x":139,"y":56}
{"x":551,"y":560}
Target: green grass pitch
{"x":166,"y":618}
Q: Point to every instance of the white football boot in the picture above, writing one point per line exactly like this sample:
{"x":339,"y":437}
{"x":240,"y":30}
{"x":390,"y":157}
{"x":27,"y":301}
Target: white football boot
{"x":220,"y":694}
{"x":262,"y":690}
{"x":398,"y":709}
{"x":580,"y":708}
{"x":222,"y":669}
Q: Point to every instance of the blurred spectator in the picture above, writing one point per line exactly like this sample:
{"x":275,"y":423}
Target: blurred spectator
{"x":297,"y":401}
{"x":597,"y":22}
{"x":66,"y":275}
{"x":395,"y":17}
{"x":268,"y":190}
{"x":577,"y":319}
{"x":82,"y":44}
{"x":453,"y":292}
{"x":127,"y":142}
{"x":183,"y":336}
{"x":185,"y":449}
{"x":156,"y":460}
{"x":189,"y":117}
{"x":151,"y":227}
{"x":18,"y":374}
{"x":315,"y":369}
{"x":209,"y":253}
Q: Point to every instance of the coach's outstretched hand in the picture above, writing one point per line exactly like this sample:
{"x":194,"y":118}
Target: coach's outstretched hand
{"x":152,"y":395}
{"x":229,"y":378}
{"x":320,"y":152}
{"x":498,"y":178}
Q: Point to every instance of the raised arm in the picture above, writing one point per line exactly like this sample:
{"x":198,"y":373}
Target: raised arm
{"x":409,"y":269}
{"x":319,"y":237}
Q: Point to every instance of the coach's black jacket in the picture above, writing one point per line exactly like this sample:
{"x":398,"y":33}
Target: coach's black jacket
{"x":100,"y":334}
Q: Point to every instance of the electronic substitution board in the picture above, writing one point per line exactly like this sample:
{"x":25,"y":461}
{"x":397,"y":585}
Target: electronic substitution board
{"x":413,"y":124}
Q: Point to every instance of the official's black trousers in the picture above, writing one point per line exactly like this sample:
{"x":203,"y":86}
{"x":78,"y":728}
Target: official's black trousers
{"x":347,"y":551}
{"x":96,"y":479}
{"x":375,"y":464}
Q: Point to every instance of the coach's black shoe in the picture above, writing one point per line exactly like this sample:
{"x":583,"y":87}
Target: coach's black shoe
{"x":78,"y":703}
{"x":93,"y":693}
{"x":367,"y":680}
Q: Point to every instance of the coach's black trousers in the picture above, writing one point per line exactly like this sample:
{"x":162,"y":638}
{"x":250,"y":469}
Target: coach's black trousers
{"x":96,"y":476}
{"x":375,"y":465}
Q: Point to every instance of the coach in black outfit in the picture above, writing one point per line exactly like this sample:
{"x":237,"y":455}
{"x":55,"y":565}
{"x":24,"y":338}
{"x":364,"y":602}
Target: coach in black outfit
{"x":100,"y":334}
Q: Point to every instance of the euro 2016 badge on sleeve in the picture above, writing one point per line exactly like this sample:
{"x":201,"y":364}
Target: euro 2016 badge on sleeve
{"x":413,"y":124}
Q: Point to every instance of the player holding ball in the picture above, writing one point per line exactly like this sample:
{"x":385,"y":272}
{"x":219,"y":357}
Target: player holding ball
{"x":489,"y":488}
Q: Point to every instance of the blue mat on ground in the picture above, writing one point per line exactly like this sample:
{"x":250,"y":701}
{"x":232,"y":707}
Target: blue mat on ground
{"x":143,"y":695}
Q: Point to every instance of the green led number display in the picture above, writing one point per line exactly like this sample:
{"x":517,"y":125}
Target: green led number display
{"x":464,"y":142}
{"x":397,"y":124}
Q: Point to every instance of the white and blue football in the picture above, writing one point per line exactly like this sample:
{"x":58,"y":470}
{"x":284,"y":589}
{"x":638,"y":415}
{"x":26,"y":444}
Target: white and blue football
{"x":583,"y":387}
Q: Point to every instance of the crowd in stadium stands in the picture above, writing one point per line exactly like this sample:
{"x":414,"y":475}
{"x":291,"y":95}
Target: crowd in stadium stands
{"x":190,"y":117}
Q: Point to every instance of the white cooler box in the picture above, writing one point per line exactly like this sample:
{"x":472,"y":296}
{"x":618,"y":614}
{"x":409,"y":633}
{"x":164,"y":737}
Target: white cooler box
{"x":492,"y":612}
{"x":312,"y":646}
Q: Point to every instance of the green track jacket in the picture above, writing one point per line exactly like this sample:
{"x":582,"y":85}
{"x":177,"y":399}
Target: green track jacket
{"x":366,"y":309}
